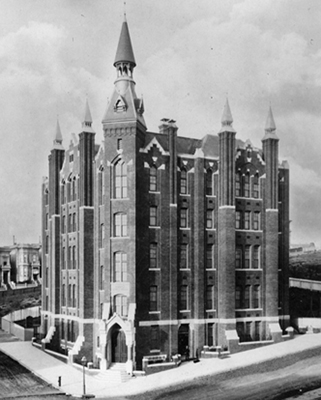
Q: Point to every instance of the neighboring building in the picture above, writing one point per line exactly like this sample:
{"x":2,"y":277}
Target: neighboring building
{"x":156,"y":244}
{"x":20,"y":264}
{"x":302,"y":248}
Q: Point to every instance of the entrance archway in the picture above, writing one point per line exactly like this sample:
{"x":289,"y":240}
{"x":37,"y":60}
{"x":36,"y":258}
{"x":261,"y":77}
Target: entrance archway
{"x":118,"y":345}
{"x":183,"y":341}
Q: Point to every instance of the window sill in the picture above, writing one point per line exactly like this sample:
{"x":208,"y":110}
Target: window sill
{"x":154,"y":227}
{"x":154,"y":269}
{"x":153,"y":312}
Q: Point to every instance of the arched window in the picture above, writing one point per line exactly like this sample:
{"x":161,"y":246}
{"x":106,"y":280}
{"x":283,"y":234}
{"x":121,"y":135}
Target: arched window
{"x":183,"y":185}
{"x":120,"y":180}
{"x":120,"y":225}
{"x":120,"y":304}
{"x":153,"y":179}
{"x":120,"y":267}
{"x":209,"y":182}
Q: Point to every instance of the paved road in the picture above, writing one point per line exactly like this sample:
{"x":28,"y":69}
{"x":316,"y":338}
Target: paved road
{"x":281,"y":383}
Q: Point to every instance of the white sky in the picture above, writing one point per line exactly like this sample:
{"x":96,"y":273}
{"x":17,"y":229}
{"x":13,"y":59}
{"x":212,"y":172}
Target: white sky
{"x":189,"y":54}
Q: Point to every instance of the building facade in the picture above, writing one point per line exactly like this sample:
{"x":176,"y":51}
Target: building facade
{"x":156,"y":244}
{"x":20,"y":264}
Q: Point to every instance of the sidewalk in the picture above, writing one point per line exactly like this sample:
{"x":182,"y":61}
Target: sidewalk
{"x":49,"y":368}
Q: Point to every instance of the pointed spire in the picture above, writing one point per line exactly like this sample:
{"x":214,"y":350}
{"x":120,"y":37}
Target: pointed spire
{"x":87,"y":122}
{"x":270,"y":126}
{"x":227,"y":119}
{"x":57,"y":142}
{"x":87,"y":117}
{"x":125,"y":50}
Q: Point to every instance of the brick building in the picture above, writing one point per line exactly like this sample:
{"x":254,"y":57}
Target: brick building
{"x":156,"y":244}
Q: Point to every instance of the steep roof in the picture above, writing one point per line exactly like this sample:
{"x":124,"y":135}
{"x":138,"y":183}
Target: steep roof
{"x":124,"y":50}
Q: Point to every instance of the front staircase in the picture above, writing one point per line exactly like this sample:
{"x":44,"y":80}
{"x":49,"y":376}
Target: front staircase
{"x":115,"y":375}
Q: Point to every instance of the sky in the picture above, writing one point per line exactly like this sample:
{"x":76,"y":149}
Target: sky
{"x":190,"y":56}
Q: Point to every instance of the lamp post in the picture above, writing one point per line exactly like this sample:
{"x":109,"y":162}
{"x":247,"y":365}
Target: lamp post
{"x":84,"y":362}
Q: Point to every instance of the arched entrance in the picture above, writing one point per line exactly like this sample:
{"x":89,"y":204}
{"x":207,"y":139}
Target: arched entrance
{"x":118,"y":345}
{"x":183,"y":341}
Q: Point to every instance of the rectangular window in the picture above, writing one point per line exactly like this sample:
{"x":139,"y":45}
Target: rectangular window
{"x":209,"y":182}
{"x":209,"y":256}
{"x":183,"y":181}
{"x":183,"y":256}
{"x":63,"y":227}
{"x":247,"y":257}
{"x":121,"y":305}
{"x":100,"y":188}
{"x":152,"y":216}
{"x":153,"y":179}
{"x":63,"y":258}
{"x":120,"y":225}
{"x":209,"y":297}
{"x":247,"y":220}
{"x":256,"y":221}
{"x":210,"y":219}
{"x":120,"y":265}
{"x":74,"y":222}
{"x":238,"y":257}
{"x":237,"y":185}
{"x":183,"y":298}
{"x":74,"y":257}
{"x":153,"y":306}
{"x":210,"y":334}
{"x":256,"y":257}
{"x":70,"y":223}
{"x":257,"y":331}
{"x":154,"y":338}
{"x":153,"y":255}
{"x":247,"y":185}
{"x":101,"y":236}
{"x":256,"y":296}
{"x":69,"y":257}
{"x":238,"y":216}
{"x":248,"y":333}
{"x":101,"y":277}
{"x":238,"y":297}
{"x":247,"y":296}
{"x":63,"y":295}
{"x":184,"y":218}
{"x":74,"y":295}
{"x":119,"y":144}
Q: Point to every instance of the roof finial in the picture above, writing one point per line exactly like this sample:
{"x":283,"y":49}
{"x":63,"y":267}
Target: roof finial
{"x":125,"y":11}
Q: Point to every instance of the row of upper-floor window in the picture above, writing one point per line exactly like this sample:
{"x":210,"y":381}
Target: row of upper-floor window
{"x":245,"y":185}
{"x":71,"y":226}
{"x":183,"y":298}
{"x":248,"y":220}
{"x":247,"y":297}
{"x":69,"y":295}
{"x":248,"y":257}
{"x":69,"y":257}
{"x":183,"y":256}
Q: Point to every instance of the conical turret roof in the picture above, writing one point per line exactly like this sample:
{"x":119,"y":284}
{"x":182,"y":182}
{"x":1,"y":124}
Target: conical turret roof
{"x":227,"y":119}
{"x":270,"y":127}
{"x":125,"y":50}
{"x":270,"y":124}
{"x":57,"y":142}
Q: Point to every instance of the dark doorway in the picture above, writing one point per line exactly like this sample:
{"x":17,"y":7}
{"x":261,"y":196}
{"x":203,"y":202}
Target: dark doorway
{"x":118,"y":345}
{"x":183,"y":341}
